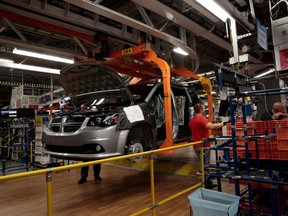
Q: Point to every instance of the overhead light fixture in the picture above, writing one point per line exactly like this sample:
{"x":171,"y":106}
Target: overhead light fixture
{"x":265,"y":73}
{"x":239,"y":37}
{"x":169,"y":16}
{"x":42,"y":56}
{"x":180,"y":51}
{"x":215,"y":9}
{"x":207,"y":73}
{"x":6,"y":60}
{"x":29,"y":67}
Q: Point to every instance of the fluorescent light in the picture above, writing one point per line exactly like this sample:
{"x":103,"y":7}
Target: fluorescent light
{"x":265,"y":73}
{"x":42,"y":56}
{"x":29,"y":67}
{"x":215,"y":9}
{"x":239,"y":37}
{"x":206,"y":74}
{"x":180,"y":51}
{"x":67,"y":98}
{"x":6,"y":60}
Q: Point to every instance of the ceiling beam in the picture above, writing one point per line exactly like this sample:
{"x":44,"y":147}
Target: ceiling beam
{"x":145,"y":16}
{"x":71,"y":20}
{"x":49,"y":11}
{"x":15,"y":29}
{"x":40,"y":48}
{"x":202,"y":10}
{"x":163,"y":10}
{"x":80,"y":45}
{"x":180,"y":19}
{"x":235,"y":13}
{"x":106,"y":12}
{"x":242,"y":3}
{"x":45,"y":25}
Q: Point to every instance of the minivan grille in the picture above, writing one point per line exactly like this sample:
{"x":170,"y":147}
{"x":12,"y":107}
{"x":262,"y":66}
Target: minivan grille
{"x":73,"y":119}
{"x":55,"y":128}
{"x":67,"y":124}
{"x":72,"y":128}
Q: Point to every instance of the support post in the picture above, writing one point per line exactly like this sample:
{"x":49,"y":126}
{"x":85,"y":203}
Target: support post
{"x":152,"y":183}
{"x":202,"y":166}
{"x":234,"y":39}
{"x":49,"y":192}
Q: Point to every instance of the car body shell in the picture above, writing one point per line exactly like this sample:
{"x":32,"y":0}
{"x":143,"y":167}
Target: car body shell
{"x":133,"y":120}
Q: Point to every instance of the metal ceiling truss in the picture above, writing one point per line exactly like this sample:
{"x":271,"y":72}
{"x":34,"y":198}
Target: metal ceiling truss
{"x":37,"y":23}
{"x":179,"y":19}
{"x":128,"y":38}
{"x":23,"y":38}
{"x":237,"y":14}
{"x":70,"y":30}
{"x":125,"y":29}
{"x":114,"y":15}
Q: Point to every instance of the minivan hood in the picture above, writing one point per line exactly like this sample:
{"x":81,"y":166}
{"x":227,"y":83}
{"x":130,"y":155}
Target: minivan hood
{"x":91,"y":79}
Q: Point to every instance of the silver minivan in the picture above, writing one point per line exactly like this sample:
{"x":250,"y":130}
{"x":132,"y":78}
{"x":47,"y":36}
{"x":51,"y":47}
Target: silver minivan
{"x":110,"y":118}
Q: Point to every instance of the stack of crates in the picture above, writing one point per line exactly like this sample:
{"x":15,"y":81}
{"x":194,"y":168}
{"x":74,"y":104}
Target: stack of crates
{"x":271,"y":148}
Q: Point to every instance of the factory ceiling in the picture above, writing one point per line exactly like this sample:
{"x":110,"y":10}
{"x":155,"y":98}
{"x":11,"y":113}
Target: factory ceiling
{"x":73,"y":29}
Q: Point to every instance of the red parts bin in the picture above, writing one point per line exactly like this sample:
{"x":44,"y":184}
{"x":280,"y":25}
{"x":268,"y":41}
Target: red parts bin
{"x":272,"y":149}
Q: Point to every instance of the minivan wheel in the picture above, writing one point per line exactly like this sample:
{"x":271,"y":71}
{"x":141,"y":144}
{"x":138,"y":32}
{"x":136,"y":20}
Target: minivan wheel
{"x":135,"y":148}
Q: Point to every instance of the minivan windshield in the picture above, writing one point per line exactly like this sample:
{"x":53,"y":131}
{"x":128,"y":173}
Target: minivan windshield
{"x":140,"y":92}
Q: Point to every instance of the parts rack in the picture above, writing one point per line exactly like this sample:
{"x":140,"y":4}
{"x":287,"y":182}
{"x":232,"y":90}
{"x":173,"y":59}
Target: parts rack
{"x":255,"y":156}
{"x":17,"y":140}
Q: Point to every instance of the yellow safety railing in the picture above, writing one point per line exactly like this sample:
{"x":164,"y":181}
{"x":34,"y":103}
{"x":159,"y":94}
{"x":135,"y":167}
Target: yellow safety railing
{"x":152,"y":207}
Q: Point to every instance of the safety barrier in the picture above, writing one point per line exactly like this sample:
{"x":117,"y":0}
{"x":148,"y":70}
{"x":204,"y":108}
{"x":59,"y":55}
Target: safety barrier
{"x":151,"y":207}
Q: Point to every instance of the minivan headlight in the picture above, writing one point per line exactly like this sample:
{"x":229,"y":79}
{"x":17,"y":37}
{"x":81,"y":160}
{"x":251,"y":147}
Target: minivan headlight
{"x":103,"y":121}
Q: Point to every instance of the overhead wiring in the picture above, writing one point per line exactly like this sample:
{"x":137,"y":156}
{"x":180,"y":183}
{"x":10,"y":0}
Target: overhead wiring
{"x":278,"y":125}
{"x":276,"y":7}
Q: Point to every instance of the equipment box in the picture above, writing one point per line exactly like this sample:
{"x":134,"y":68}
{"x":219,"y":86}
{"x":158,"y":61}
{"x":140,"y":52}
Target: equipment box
{"x":206,"y":202}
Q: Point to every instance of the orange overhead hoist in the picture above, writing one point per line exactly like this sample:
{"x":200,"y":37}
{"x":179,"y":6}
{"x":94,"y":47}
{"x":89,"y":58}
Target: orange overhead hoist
{"x":142,"y":62}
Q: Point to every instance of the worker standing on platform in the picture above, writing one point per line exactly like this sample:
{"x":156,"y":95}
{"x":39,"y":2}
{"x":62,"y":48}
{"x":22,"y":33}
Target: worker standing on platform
{"x":277,"y":112}
{"x":85,"y":170}
{"x":199,"y":127}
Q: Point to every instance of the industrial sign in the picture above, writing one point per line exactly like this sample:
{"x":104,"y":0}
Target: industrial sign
{"x":279,"y":29}
{"x":262,"y":35}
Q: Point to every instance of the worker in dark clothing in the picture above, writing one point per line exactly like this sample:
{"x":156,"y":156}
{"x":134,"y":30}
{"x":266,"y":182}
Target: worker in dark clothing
{"x":277,"y":112}
{"x":85,"y":170}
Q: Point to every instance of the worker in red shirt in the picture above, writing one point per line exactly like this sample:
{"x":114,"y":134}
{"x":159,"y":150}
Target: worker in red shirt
{"x":199,"y":127}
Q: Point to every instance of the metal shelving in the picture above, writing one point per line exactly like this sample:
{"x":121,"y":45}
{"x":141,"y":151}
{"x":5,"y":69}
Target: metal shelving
{"x":16,"y":144}
{"x":261,"y":179}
